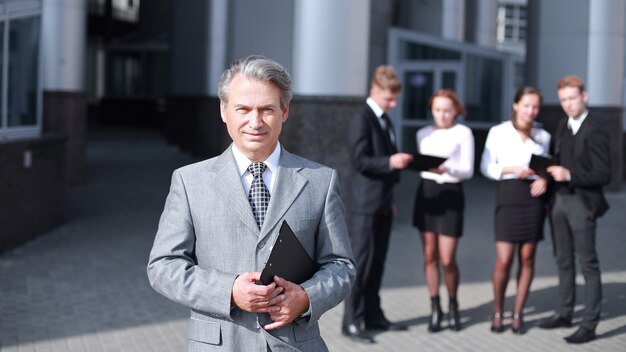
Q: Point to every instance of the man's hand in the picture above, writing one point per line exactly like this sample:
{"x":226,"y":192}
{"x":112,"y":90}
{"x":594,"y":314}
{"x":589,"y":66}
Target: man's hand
{"x":400,"y":161}
{"x":249,"y":296}
{"x":560,"y":173}
{"x":295,"y":303}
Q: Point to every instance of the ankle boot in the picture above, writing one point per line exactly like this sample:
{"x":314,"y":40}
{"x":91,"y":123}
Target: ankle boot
{"x":434,"y":324}
{"x":454,"y":321}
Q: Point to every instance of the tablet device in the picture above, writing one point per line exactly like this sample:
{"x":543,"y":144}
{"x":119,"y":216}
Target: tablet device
{"x":424,"y":162}
{"x":539,"y":163}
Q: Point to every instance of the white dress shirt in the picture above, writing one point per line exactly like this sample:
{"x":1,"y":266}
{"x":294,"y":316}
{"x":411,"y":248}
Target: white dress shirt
{"x":456,"y":144}
{"x":377,"y":111}
{"x":269,"y":175}
{"x":505,"y":147}
{"x":379,"y":116}
{"x":574,"y":123}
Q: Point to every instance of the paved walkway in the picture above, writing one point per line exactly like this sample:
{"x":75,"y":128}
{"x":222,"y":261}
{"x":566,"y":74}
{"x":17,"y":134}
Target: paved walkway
{"x":83,"y":287}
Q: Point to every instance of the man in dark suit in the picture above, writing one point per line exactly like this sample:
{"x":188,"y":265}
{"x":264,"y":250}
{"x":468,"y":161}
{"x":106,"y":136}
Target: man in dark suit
{"x":581,"y":148}
{"x":375,"y":162}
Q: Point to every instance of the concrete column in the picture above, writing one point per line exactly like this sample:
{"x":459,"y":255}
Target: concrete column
{"x":330,"y":47}
{"x":531,"y":72}
{"x":189,"y":51}
{"x":218,"y":42}
{"x":453,"y":19}
{"x":563,"y":43}
{"x":588,"y":42}
{"x":63,"y":39}
{"x":606,"y":47}
{"x":604,"y":65}
{"x":486,"y":23}
{"x":63,"y":44}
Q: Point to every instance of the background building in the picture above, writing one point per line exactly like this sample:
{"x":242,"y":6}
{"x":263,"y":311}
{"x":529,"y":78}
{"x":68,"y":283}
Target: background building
{"x":69,"y":64}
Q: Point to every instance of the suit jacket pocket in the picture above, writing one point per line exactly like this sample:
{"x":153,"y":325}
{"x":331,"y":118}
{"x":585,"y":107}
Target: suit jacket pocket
{"x":305,"y":230}
{"x":204,"y":331}
{"x":303,"y":225}
{"x":302,"y":334}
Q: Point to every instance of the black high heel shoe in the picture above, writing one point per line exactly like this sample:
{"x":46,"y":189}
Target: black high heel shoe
{"x":496,"y":323}
{"x":454,"y":321}
{"x":434,"y":324}
{"x":517,"y":325}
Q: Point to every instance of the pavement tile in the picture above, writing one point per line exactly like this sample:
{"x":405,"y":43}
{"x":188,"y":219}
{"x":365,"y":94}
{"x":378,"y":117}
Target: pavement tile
{"x":83,"y":286}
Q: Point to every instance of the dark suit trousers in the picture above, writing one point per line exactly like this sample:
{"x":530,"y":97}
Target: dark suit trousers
{"x":575,"y":234}
{"x":369,"y":235}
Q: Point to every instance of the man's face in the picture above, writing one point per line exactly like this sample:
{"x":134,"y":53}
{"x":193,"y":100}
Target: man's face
{"x":253,"y":116}
{"x":384,"y":98}
{"x":572,"y":100}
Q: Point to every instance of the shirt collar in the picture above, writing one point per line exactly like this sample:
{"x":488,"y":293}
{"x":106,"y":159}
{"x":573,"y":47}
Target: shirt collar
{"x":575,"y":123}
{"x":243,"y":162}
{"x":375,"y":108}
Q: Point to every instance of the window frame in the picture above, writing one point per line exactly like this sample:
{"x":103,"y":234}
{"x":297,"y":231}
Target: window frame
{"x":11,"y":10}
{"x":510,"y":27}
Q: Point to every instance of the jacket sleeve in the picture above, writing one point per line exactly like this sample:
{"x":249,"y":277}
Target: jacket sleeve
{"x":332,"y":283}
{"x":361,"y":144}
{"x":594,"y":168}
{"x":172,"y":268}
{"x":489,"y":163}
{"x":464,"y":168}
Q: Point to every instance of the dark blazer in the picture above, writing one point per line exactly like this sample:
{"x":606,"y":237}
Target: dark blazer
{"x":370,"y":186}
{"x":592,"y":167}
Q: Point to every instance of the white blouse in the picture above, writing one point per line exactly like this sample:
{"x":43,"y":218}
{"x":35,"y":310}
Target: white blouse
{"x":505,"y":147}
{"x":455,"y":143}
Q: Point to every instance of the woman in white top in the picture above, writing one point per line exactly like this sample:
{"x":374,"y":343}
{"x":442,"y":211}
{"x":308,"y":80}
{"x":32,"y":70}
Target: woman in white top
{"x":439,"y":201}
{"x":520,"y":208}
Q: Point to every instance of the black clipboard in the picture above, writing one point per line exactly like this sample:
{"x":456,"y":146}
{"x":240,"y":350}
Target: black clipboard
{"x":539,"y":163}
{"x":288,"y":259}
{"x":424,"y":162}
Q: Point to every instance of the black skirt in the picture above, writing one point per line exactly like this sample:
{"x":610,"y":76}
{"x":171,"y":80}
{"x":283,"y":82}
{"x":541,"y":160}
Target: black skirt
{"x":519,"y":216}
{"x":439,"y":208}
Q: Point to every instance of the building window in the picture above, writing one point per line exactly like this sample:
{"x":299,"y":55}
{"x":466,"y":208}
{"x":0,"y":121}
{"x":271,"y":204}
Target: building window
{"x":126,"y":10}
{"x":23,"y":67}
{"x":123,"y":10}
{"x":482,"y":78}
{"x":512,"y":23}
{"x":20,"y":90}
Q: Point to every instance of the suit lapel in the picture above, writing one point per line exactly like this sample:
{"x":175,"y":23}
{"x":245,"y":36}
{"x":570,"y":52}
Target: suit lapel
{"x":561,"y":128}
{"x":584,"y":127}
{"x":288,"y":185}
{"x":384,"y":135}
{"x":581,"y":137}
{"x":391,"y":129}
{"x":228,"y":181}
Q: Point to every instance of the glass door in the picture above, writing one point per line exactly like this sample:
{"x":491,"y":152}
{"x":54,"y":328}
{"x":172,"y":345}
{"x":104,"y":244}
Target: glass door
{"x":419,"y":82}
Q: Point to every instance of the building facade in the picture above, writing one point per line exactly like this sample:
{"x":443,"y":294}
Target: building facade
{"x":156,"y":64}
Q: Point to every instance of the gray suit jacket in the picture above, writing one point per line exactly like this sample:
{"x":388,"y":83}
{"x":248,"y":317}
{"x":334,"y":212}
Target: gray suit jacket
{"x":207,"y":236}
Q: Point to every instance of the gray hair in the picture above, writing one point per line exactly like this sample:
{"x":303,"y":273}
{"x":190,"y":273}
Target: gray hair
{"x":259,"y":68}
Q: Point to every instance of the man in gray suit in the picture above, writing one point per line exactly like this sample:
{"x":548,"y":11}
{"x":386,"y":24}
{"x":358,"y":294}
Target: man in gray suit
{"x":222,"y":217}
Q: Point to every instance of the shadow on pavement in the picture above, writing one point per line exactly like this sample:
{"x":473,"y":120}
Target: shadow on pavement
{"x":541,"y":304}
{"x":88,"y":276}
